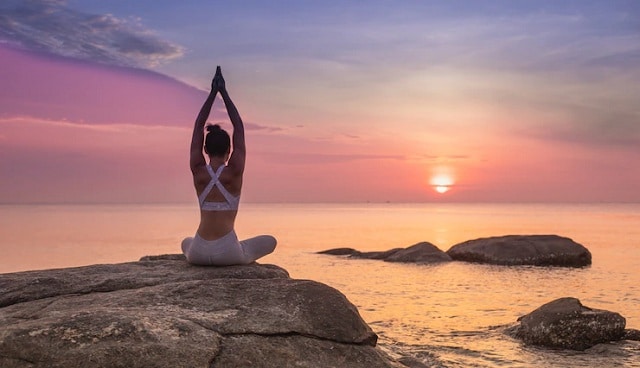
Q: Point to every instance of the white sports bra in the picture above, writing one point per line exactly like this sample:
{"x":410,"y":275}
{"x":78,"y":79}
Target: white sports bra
{"x":231,"y":202}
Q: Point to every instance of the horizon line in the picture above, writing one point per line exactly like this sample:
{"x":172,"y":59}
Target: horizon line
{"x":82,"y":203}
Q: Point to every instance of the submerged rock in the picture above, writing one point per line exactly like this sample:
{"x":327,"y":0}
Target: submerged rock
{"x":423,"y":252}
{"x":163,"y":312}
{"x":536,"y":250}
{"x":566,"y":323}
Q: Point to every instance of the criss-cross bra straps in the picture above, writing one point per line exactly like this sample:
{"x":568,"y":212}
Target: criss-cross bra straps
{"x":231,"y":200}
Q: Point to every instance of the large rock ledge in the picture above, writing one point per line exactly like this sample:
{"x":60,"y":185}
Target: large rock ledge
{"x":163,"y":312}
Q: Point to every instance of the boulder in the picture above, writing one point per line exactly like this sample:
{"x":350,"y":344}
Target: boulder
{"x":423,"y":252}
{"x":163,"y":312}
{"x":536,"y":250}
{"x":566,"y":323}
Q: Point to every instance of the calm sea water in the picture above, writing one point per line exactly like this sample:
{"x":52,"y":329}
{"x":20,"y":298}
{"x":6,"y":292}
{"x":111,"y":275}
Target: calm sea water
{"x":455,"y":311}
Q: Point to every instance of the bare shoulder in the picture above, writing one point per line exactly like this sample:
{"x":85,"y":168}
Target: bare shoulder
{"x":231,"y":178}
{"x":237,"y":161}
{"x":234,"y":168}
{"x":201,"y":177}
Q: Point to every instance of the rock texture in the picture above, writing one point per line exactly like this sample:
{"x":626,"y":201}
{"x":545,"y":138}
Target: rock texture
{"x":566,"y":323}
{"x":423,"y":252}
{"x":163,"y":312}
{"x":536,"y":250}
{"x":631,"y":334}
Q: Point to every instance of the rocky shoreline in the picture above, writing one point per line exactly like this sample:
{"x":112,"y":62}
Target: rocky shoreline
{"x":163,"y":312}
{"x":562,"y":323}
{"x":508,"y":250}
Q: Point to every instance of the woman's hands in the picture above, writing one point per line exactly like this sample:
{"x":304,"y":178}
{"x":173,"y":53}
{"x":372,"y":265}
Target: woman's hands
{"x":218,"y":81}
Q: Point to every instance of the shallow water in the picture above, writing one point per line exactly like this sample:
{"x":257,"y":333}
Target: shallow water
{"x":454,"y":311}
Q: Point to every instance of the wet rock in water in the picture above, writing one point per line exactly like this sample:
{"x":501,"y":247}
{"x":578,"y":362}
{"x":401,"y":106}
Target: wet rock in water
{"x":423,"y":252}
{"x":163,"y":312}
{"x":411,"y":362}
{"x":339,"y":251}
{"x":566,"y":323}
{"x":376,"y":255}
{"x":535,"y":250}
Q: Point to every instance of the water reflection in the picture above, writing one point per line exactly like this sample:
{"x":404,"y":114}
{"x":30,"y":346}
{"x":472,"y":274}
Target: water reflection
{"x":459,"y":311}
{"x":455,"y":311}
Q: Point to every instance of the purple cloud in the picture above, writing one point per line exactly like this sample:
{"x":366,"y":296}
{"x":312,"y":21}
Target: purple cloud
{"x":50,"y":26}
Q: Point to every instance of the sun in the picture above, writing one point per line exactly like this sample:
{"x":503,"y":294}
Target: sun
{"x":441,"y":183}
{"x":441,"y":189}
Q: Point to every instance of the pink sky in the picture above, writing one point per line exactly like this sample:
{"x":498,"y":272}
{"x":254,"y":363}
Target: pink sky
{"x":527,"y":101}
{"x":74,"y":131}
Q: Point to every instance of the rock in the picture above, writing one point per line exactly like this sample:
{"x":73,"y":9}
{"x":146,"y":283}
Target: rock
{"x":163,"y":312}
{"x":566,"y":323}
{"x":32,"y":285}
{"x":339,"y":251}
{"x":412,"y":362}
{"x":423,"y":252}
{"x":631,"y":334}
{"x":376,"y":255}
{"x":536,"y":250}
{"x":174,"y":257}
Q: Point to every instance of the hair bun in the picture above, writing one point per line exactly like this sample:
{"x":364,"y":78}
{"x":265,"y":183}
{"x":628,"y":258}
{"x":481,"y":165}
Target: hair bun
{"x":213,"y":128}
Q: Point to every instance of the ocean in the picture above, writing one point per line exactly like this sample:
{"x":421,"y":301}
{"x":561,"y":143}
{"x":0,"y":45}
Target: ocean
{"x":455,"y":312}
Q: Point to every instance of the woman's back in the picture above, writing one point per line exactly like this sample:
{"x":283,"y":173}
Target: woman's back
{"x":218,"y":210}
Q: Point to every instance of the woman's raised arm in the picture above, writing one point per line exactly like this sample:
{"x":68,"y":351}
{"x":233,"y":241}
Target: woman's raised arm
{"x":237,"y":159}
{"x":197,"y":139}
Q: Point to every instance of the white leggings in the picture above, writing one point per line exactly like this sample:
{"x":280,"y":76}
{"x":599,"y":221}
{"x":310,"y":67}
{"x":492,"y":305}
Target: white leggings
{"x":227,"y":251}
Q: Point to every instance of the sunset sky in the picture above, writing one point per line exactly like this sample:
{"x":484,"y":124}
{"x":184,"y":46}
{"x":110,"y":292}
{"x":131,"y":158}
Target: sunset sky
{"x":520,"y":101}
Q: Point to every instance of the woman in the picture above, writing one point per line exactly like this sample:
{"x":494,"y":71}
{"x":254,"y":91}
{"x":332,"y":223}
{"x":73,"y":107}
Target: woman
{"x":218,"y":185}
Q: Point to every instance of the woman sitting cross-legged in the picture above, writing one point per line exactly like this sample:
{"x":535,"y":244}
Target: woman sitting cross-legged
{"x":218,"y":185}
